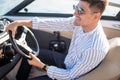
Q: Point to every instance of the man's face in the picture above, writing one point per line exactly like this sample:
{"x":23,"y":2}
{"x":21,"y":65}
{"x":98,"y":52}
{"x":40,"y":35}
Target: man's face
{"x":85,"y":17}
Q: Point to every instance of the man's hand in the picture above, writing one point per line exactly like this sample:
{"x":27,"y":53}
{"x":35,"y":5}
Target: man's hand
{"x":35,"y":61}
{"x":12,"y":27}
{"x":0,"y":52}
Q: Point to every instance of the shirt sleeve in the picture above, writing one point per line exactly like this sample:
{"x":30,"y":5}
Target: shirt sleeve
{"x":54,"y":24}
{"x":89,"y":60}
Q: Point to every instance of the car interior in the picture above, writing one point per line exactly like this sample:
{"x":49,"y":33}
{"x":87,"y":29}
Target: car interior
{"x":32,"y":40}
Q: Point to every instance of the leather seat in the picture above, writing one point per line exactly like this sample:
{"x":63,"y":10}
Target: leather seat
{"x":109,"y":69}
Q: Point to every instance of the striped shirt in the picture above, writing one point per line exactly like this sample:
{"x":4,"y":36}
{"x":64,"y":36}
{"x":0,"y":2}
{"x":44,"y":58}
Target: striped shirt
{"x":86,"y":50}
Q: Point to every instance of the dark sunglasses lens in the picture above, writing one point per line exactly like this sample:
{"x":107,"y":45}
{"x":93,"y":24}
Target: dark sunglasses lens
{"x":80,"y":10}
{"x":74,"y":7}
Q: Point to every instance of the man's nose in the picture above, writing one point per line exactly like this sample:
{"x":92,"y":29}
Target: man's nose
{"x":75,"y":13}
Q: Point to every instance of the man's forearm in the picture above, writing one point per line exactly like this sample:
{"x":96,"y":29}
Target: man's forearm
{"x":27,"y":23}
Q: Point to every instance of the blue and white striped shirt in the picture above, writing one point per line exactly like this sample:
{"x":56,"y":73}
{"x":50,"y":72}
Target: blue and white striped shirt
{"x":86,"y":50}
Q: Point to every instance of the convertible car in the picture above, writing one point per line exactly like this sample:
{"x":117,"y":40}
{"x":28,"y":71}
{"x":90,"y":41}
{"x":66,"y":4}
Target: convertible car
{"x":32,"y":40}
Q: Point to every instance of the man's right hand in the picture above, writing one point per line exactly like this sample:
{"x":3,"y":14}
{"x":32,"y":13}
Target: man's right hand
{"x":12,"y":27}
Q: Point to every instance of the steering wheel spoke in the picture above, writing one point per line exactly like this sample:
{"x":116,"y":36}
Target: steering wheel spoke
{"x":24,"y":45}
{"x":23,"y":37}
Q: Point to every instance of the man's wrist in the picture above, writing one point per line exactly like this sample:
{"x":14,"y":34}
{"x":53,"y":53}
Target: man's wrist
{"x":45,"y":67}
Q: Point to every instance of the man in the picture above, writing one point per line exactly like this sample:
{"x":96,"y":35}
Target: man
{"x":88,"y":46}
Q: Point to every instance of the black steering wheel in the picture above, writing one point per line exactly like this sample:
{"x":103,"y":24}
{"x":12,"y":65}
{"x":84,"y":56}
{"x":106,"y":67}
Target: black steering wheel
{"x":21,"y":45}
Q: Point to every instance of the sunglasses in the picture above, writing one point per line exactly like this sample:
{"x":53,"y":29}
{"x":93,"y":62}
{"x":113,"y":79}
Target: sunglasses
{"x":79,"y":9}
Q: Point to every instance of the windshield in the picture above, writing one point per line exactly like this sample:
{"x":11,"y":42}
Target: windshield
{"x":55,"y":6}
{"x":7,"y":5}
{"x":65,"y":7}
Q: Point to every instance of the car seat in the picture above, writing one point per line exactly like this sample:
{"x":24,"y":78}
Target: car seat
{"x":109,"y":69}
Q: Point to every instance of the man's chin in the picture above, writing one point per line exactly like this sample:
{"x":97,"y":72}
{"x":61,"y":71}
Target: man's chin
{"x":76,"y":24}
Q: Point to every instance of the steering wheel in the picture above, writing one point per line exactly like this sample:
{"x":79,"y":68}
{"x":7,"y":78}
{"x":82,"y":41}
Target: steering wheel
{"x":20,"y":43}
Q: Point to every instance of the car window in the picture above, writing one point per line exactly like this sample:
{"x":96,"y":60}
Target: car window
{"x":113,"y":8}
{"x":65,"y":7}
{"x":7,"y":5}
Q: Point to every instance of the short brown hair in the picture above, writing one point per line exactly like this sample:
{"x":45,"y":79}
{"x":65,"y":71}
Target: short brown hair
{"x":97,"y":5}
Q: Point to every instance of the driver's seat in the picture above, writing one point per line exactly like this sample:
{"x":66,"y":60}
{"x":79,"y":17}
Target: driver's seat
{"x":109,"y":69}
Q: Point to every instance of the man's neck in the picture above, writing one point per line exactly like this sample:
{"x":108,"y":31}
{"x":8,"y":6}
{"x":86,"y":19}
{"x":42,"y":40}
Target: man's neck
{"x":88,"y":28}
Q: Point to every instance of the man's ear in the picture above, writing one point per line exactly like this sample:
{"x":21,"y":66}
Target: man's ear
{"x":97,"y":16}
